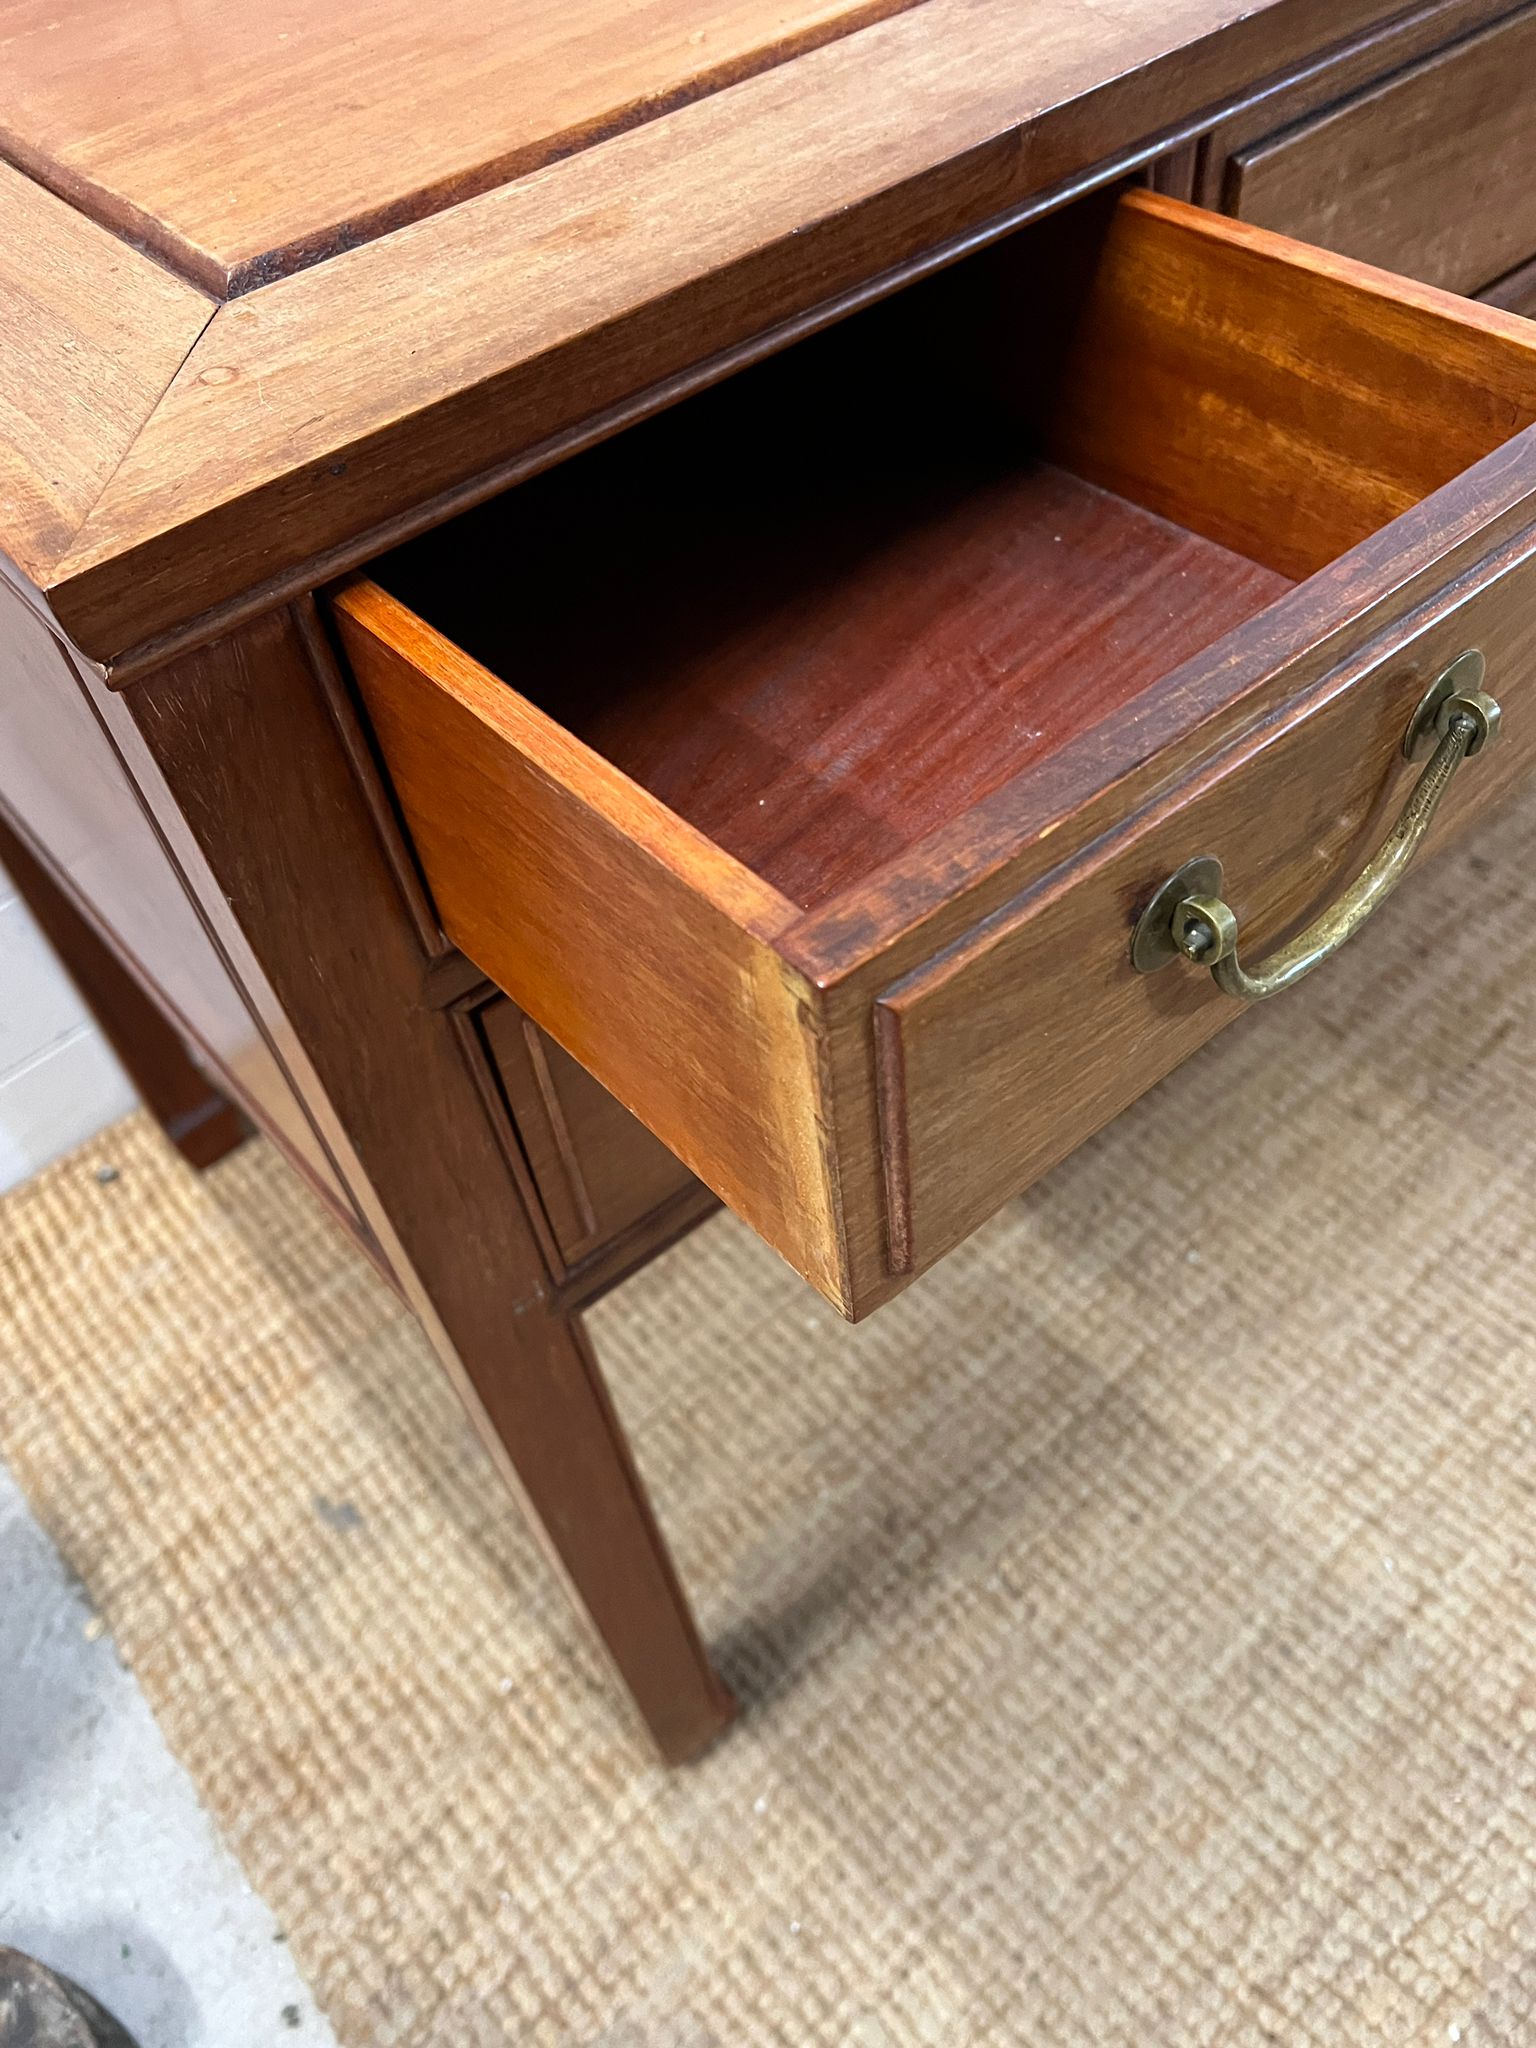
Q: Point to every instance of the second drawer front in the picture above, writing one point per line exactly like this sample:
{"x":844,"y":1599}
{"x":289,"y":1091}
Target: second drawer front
{"x":1432,"y":173}
{"x":599,"y":1171}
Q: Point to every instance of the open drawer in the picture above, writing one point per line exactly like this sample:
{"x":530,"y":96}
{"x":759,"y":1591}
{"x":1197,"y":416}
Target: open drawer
{"x":803,"y":759}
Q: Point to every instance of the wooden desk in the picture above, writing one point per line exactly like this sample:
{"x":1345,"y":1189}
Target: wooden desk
{"x":711,"y":558}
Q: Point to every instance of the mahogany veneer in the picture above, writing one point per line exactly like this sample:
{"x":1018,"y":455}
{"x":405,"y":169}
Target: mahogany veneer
{"x":177,"y":122}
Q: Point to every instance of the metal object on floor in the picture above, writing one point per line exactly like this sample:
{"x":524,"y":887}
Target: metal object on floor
{"x":40,"y":2009}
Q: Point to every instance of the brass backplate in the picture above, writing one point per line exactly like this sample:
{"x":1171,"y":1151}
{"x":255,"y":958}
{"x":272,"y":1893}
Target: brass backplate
{"x":1465,"y":673}
{"x":1152,"y":943}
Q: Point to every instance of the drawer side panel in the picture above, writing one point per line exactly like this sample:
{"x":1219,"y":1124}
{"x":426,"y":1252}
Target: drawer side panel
{"x":572,"y":890}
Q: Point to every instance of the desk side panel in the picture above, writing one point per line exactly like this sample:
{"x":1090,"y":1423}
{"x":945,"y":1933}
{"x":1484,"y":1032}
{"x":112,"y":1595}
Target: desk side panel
{"x":66,"y":793}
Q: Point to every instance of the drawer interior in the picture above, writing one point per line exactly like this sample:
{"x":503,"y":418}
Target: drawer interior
{"x":823,"y":608}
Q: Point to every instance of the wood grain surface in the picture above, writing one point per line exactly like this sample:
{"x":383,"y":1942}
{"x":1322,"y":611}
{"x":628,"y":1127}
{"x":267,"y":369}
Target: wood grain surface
{"x":1281,"y":400}
{"x":91,"y":333}
{"x":386,"y":386}
{"x":1431,"y":172}
{"x":242,"y":142}
{"x":1360,"y":60}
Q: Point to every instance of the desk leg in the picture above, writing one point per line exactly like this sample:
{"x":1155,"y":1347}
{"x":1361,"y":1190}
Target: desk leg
{"x":566,"y":1452}
{"x":258,"y":778}
{"x":197,"y":1119}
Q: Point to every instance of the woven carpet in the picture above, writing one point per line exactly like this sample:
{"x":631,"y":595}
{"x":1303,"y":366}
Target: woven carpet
{"x":1137,"y":1622}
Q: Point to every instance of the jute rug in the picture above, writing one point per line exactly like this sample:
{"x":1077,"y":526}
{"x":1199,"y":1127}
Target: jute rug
{"x":1136,"y":1621}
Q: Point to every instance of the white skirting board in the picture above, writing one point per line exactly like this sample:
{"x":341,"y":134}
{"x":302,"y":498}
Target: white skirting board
{"x":59,"y":1082}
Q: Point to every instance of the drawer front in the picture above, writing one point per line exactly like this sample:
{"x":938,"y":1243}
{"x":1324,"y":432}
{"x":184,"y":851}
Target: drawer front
{"x":600,"y":1173}
{"x":1032,"y":1032}
{"x":1431,"y":173}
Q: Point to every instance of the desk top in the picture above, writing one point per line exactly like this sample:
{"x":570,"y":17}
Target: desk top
{"x":280,"y":283}
{"x":243,"y":141}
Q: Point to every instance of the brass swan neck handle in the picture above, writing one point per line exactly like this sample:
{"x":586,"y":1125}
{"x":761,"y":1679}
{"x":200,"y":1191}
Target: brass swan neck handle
{"x":1190,"y":918}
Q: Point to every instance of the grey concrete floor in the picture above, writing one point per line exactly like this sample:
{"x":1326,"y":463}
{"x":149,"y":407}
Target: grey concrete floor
{"x":110,"y":1870}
